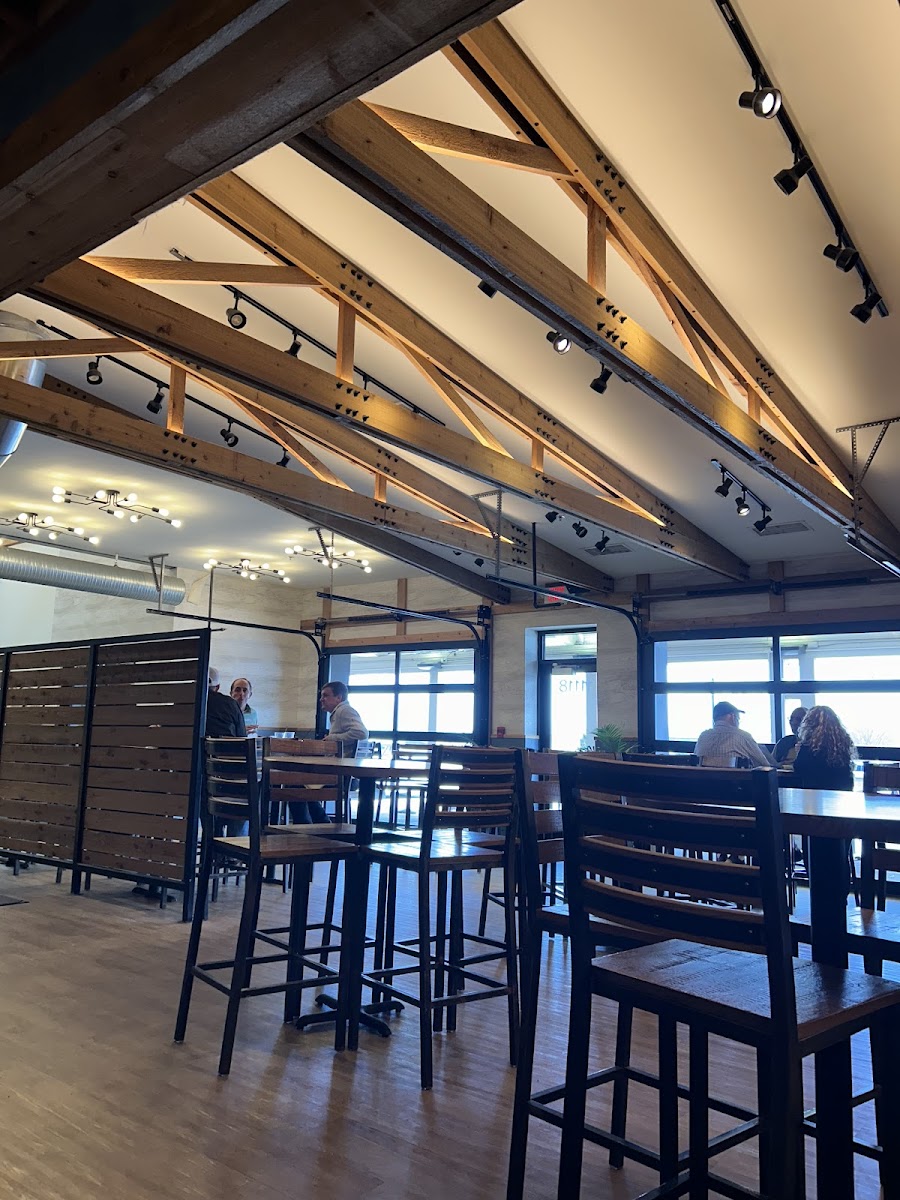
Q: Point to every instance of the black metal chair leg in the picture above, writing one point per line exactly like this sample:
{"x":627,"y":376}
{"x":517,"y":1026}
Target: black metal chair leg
{"x":668,"y":1099}
{"x":328,"y":917}
{"x":624,"y":1022}
{"x":518,"y":1148}
{"x":426,"y":1070}
{"x":297,"y":938}
{"x":512,"y":955}
{"x":378,"y":952}
{"x":440,"y":949}
{"x":252,"y":888}
{"x":457,"y":945}
{"x":698,"y":1133}
{"x":485,"y":893}
{"x":834,"y":1123}
{"x":187,"y":983}
{"x":885,"y":1034}
{"x":572,"y":1148}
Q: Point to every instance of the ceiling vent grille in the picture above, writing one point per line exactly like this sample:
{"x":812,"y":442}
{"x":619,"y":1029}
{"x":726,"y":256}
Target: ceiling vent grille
{"x":785,"y":527}
{"x":616,"y":548}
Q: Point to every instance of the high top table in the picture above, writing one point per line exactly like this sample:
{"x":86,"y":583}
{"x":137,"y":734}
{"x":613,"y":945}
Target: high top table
{"x":369,"y":772}
{"x":831,"y":820}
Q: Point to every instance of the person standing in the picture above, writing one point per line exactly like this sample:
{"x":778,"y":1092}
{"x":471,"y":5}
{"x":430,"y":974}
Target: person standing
{"x":825,"y":753}
{"x":726,"y":742}
{"x":241,"y":691}
{"x":345,"y":724}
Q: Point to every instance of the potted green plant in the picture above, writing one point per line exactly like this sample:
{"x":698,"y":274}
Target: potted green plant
{"x":609,"y":739}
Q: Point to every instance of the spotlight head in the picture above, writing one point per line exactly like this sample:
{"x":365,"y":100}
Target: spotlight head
{"x":602,"y":544}
{"x":294,"y":348}
{"x":743,"y":508}
{"x":844,"y":258}
{"x":92,"y":374}
{"x":580,"y":530}
{"x":599,"y":384}
{"x":489,"y":290}
{"x":724,"y":487}
{"x":236,"y":319}
{"x":560,"y":343}
{"x":155,"y":405}
{"x":863,"y":311}
{"x":764,"y":101}
{"x":552,"y":516}
{"x":789,"y":179}
{"x":284,"y":460}
{"x":764,"y":521}
{"x":479,"y":562}
{"x":228,"y":436}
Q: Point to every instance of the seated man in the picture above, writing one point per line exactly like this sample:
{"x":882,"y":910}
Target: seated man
{"x":726,"y":742}
{"x":786,"y":750}
{"x":345,"y":724}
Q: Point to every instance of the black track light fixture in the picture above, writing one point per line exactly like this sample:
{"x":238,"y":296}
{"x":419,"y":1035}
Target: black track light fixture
{"x":228,"y":436}
{"x":580,"y":530}
{"x":602,"y":544}
{"x":764,"y":521}
{"x":725,"y":486}
{"x":764,"y":101}
{"x":599,"y":384}
{"x":294,"y":348}
{"x":155,"y":405}
{"x":236,"y":319}
{"x":92,"y":375}
{"x":284,"y":460}
{"x":844,"y":257}
{"x":789,"y":179}
{"x":479,"y":562}
{"x":552,"y":516}
{"x":743,"y":508}
{"x":863,"y":311}
{"x":488,"y":288}
{"x":560,"y":343}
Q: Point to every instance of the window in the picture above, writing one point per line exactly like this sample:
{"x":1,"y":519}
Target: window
{"x":423,"y":693}
{"x":567,"y":695}
{"x":855,"y":673}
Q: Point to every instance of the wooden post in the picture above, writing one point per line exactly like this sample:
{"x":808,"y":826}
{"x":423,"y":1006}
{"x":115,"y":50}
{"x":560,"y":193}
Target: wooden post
{"x":175,"y":409}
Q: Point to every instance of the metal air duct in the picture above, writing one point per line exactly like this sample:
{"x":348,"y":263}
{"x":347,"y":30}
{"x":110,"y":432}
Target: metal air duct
{"x":74,"y":575}
{"x":14,"y":328}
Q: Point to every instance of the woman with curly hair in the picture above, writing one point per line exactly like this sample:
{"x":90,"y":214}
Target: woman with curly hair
{"x":825,"y":755}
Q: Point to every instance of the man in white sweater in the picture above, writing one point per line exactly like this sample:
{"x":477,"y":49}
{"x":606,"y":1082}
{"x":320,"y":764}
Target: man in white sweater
{"x":345,"y":723}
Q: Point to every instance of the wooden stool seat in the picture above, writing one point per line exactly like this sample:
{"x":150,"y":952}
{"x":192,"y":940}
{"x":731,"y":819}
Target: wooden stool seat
{"x":732,"y":988}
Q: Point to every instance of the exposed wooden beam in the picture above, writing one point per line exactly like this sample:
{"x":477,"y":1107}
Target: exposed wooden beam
{"x":247,"y":212}
{"x":289,"y":443}
{"x":164,"y":270}
{"x":175,"y":407}
{"x":346,"y":341}
{"x":381,"y":487}
{"x":76,"y":420}
{"x":497,"y":53}
{"x":460,"y":142}
{"x":163,"y":325}
{"x":453,"y":399}
{"x":362,"y":150}
{"x":68,"y":348}
{"x":596,"y":246}
{"x":202,"y":85}
{"x":537,"y":455}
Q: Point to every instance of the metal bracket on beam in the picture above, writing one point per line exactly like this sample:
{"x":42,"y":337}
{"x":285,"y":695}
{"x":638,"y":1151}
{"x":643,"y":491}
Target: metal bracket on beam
{"x":859,"y":475}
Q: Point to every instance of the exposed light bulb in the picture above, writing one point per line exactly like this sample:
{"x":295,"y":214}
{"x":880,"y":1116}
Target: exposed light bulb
{"x":78,"y":530}
{"x":289,"y":549}
{"x":59,"y":491}
{"x":176,"y":524}
{"x":52,"y":536}
{"x":95,"y":541}
{"x":23,"y":517}
{"x":101,"y":495}
{"x":134,"y":518}
{"x":118,"y":514}
{"x":285,"y":579}
{"x":131,"y":497}
{"x":48,"y":520}
{"x":245,"y":574}
{"x":364,"y":561}
{"x":367,"y":570}
{"x":266,"y":567}
{"x":213,"y":562}
{"x":58,"y":498}
{"x":163,"y":512}
{"x":34,"y":531}
{"x":253,"y":575}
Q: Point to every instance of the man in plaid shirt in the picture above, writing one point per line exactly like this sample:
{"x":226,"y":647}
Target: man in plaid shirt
{"x":726,"y":742}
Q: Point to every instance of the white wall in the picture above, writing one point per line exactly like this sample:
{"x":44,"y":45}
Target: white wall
{"x":26,"y":613}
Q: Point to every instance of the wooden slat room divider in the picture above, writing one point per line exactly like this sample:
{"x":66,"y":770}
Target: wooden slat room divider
{"x":100,"y":757}
{"x":42,"y":751}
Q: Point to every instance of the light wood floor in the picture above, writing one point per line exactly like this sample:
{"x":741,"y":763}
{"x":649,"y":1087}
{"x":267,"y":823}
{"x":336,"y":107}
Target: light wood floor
{"x":97,"y":1101}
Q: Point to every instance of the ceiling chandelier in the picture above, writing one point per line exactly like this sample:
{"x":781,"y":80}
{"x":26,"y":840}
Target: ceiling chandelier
{"x":33,"y":525}
{"x":327,"y":556}
{"x":116,"y":503}
{"x":246,"y":569}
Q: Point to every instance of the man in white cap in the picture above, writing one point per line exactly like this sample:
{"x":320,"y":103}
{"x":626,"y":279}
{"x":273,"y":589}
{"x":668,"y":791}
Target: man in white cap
{"x":726,"y":742}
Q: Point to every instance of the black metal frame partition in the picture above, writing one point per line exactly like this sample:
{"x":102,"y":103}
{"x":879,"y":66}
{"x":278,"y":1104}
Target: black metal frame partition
{"x":776,"y":687}
{"x":93,"y":647}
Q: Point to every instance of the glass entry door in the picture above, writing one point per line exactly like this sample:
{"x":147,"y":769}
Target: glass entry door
{"x":568,"y":689}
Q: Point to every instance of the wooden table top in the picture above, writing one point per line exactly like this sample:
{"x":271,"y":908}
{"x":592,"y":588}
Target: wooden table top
{"x":359,"y":768}
{"x":821,"y":813}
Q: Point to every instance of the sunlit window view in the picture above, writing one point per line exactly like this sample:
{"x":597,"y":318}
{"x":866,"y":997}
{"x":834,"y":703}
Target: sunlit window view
{"x":568,"y":672}
{"x":856,"y":674}
{"x":420,"y":694}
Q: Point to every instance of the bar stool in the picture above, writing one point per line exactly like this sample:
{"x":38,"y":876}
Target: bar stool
{"x":469,"y":789}
{"x":232,"y":792}
{"x":726,"y":971}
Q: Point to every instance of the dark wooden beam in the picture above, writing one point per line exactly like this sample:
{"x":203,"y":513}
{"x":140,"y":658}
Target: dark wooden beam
{"x":197,"y":88}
